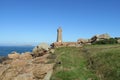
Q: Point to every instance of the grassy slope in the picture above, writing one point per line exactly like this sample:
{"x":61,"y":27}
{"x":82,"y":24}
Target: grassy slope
{"x":104,"y":60}
{"x":95,"y":62}
{"x":73,"y":65}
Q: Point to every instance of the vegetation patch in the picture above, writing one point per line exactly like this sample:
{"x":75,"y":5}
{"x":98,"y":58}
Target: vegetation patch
{"x":93,"y":62}
{"x":73,"y":65}
{"x":106,"y":41}
{"x":103,"y":60}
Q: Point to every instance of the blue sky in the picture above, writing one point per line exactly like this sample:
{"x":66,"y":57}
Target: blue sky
{"x":35,"y":21}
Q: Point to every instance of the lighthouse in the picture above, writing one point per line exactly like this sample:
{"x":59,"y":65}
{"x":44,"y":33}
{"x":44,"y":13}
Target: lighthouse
{"x":59,"y":34}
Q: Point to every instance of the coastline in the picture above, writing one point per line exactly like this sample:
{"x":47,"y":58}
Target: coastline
{"x":5,"y":50}
{"x":16,"y":64}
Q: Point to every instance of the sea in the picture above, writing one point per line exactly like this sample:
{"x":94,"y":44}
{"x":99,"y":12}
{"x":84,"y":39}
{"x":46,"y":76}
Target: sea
{"x":5,"y":50}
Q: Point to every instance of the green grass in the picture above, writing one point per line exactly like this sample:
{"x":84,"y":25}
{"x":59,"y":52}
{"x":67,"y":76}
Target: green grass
{"x":94,"y":62}
{"x":105,"y":61}
{"x":73,"y":65}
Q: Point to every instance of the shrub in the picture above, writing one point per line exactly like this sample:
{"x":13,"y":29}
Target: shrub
{"x":106,"y":41}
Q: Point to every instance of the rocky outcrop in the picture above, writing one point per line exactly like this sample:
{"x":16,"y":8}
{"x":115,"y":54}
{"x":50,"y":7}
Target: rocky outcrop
{"x":41,"y":49}
{"x":100,"y":37}
{"x":83,"y":41}
{"x":14,"y":55}
{"x":118,"y":41}
{"x":27,"y":67}
{"x":41,"y":70}
{"x":93,"y":39}
{"x":26,"y":56}
{"x":2,"y":58}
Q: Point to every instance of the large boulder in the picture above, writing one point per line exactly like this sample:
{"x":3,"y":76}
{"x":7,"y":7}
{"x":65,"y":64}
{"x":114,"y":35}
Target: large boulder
{"x":83,"y":41}
{"x":52,"y":50}
{"x":104,"y":36}
{"x":26,"y":76}
{"x":100,"y":37}
{"x":56,"y":44}
{"x":7,"y":73}
{"x":41,"y":70}
{"x":42,"y":59}
{"x":14,"y":55}
{"x":2,"y":59}
{"x":26,"y":56}
{"x":118,"y":41}
{"x":3,"y":68}
{"x":41,"y":49}
{"x":18,"y":63}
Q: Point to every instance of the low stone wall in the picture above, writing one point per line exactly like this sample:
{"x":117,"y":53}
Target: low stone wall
{"x":64,"y":44}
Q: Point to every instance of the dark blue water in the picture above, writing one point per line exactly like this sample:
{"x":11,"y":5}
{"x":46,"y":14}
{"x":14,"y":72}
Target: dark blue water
{"x":5,"y":50}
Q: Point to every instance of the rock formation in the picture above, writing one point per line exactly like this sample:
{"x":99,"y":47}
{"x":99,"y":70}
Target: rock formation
{"x":41,"y":49}
{"x":118,"y":41}
{"x":14,"y":55}
{"x":100,"y":37}
{"x":83,"y":41}
{"x":27,"y":67}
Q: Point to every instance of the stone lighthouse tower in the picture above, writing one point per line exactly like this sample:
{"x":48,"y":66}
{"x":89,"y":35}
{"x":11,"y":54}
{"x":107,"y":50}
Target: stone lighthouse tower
{"x":59,"y":34}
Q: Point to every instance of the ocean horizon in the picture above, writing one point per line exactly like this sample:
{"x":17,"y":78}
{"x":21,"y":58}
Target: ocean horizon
{"x":5,"y":50}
